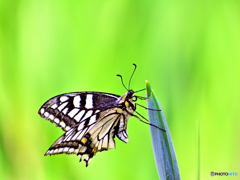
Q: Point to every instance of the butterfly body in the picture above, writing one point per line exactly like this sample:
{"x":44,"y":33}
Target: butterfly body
{"x":90,"y":121}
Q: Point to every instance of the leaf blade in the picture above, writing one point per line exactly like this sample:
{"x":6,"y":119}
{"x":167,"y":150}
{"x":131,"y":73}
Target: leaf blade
{"x":164,"y":153}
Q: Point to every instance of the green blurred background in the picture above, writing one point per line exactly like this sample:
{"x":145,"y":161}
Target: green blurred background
{"x":189,"y":51}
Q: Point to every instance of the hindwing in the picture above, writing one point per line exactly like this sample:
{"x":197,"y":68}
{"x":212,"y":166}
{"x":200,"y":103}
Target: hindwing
{"x":93,"y":138}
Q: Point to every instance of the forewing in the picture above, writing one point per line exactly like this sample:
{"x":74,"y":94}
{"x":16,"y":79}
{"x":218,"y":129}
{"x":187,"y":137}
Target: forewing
{"x":89,"y":139}
{"x":68,"y":110}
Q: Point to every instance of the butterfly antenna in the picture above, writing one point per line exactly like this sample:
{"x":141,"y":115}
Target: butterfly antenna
{"x":122,"y":81}
{"x":132,"y":75}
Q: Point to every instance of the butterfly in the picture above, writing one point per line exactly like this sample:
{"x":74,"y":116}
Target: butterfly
{"x":90,"y":120}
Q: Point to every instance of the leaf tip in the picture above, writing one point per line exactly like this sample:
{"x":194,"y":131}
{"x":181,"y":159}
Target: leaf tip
{"x":148,"y":89}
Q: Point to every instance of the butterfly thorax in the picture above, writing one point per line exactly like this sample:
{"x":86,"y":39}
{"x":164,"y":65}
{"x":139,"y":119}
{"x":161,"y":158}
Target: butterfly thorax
{"x":127,"y":102}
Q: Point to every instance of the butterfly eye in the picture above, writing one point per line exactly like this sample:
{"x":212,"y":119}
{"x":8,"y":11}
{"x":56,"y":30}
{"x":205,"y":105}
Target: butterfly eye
{"x":134,"y":98}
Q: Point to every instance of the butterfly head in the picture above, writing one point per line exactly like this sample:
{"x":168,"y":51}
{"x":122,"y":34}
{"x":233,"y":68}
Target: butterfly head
{"x":131,"y":95}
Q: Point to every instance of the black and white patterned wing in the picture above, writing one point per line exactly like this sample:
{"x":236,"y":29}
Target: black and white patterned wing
{"x":67,"y":110}
{"x":89,"y":139}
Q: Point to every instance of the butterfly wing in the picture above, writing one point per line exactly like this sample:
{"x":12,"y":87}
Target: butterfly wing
{"x":89,"y":139}
{"x":68,"y":110}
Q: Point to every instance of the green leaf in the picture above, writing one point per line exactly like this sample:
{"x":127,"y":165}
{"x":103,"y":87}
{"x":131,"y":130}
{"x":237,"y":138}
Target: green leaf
{"x":163,"y":149}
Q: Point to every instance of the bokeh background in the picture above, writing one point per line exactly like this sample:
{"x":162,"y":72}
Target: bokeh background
{"x":189,"y":51}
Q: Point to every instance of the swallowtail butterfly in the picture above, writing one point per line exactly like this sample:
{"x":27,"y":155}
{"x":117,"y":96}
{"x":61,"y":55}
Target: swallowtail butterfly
{"x":90,"y":120}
